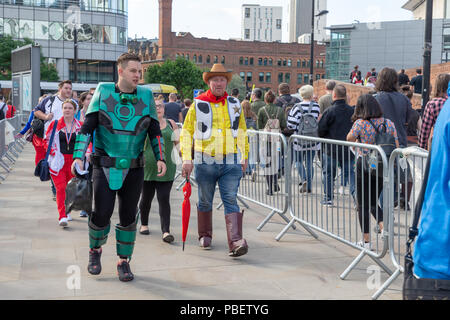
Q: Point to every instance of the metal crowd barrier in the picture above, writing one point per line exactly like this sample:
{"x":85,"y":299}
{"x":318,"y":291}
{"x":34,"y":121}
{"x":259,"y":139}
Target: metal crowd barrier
{"x":406,"y":172}
{"x":265,"y":183}
{"x":10,"y":147}
{"x":316,"y":203}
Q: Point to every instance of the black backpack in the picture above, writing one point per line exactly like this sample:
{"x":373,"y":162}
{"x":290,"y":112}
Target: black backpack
{"x":387,"y":143}
{"x":37,"y":125}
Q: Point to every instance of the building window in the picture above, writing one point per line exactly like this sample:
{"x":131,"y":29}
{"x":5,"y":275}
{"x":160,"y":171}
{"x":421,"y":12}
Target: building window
{"x":194,"y":58}
{"x":287,"y":78}
{"x":279,"y":24}
{"x":299,"y":64}
{"x":251,"y":61}
{"x":260,"y":61}
{"x":247,"y":33}
{"x":270,"y":62}
{"x":249,"y":77}
{"x":284,"y":63}
{"x":321,"y":64}
{"x":279,"y":62}
{"x":241,"y":60}
{"x":261,"y":77}
{"x":317,"y":63}
{"x":200,"y":59}
{"x":216,"y":60}
{"x":223,"y":60}
{"x":242,"y":75}
{"x":265,"y":61}
{"x":247,"y":12}
{"x":208,"y":59}
{"x":280,"y":77}
{"x":306,"y":78}
{"x":289,"y":63}
{"x":268,"y":77}
{"x":317,"y":77}
{"x":246,"y":61}
{"x":187,"y":56}
{"x":303,"y":63}
{"x":299,"y":78}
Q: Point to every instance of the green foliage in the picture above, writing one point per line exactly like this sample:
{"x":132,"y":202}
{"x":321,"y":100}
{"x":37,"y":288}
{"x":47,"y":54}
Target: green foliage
{"x":7,"y":44}
{"x":237,"y":82}
{"x":182,"y":74}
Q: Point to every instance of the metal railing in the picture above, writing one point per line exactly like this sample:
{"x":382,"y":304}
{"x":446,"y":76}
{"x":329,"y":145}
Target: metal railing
{"x":10,"y":147}
{"x":406,"y":173}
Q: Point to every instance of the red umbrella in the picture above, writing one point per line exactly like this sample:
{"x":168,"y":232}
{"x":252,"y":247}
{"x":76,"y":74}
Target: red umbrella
{"x":186,"y":210}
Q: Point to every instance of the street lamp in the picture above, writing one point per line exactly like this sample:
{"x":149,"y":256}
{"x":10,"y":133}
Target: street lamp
{"x":313,"y":16}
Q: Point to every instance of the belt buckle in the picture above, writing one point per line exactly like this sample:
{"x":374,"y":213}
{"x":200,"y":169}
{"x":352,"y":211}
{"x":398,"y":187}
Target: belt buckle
{"x":123,"y":163}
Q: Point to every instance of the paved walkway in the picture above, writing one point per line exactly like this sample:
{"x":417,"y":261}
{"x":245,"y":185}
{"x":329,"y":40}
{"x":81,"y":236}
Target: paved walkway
{"x":36,"y":255}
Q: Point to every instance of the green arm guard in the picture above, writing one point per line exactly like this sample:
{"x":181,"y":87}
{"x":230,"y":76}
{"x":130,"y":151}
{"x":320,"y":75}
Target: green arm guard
{"x":81,"y":146}
{"x":158,"y":148}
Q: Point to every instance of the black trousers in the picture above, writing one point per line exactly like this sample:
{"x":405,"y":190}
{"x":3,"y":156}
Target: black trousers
{"x":105,"y":198}
{"x":162,"y":190}
{"x":367,"y":195}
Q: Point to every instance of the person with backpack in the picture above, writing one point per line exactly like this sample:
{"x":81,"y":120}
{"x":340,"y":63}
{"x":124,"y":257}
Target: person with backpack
{"x":285,"y":100}
{"x":303,"y":120}
{"x":369,"y":126}
{"x":271,"y":119}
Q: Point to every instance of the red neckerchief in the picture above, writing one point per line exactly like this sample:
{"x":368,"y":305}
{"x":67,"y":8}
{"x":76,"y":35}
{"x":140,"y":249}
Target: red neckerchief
{"x":209,"y":97}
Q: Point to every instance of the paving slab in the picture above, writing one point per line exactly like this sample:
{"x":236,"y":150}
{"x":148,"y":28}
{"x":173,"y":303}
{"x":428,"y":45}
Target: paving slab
{"x":40,"y":260}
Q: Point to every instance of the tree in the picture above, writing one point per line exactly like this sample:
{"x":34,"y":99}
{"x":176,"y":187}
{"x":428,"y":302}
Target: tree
{"x":181,"y":73}
{"x":7,"y":44}
{"x":237,"y":82}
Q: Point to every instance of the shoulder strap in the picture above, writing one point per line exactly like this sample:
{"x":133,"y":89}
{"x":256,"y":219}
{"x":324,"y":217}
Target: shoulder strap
{"x":265,"y":110}
{"x":311,"y":105}
{"x":52,"y":99}
{"x":376,"y":129}
{"x":51,"y":140}
{"x":413,"y":231}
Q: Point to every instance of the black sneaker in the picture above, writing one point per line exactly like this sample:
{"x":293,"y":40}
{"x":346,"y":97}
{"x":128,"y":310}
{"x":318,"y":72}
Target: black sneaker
{"x":124,"y":272}
{"x":94,"y":266}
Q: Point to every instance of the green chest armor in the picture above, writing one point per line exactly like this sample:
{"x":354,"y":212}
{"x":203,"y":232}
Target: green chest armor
{"x":124,"y":120}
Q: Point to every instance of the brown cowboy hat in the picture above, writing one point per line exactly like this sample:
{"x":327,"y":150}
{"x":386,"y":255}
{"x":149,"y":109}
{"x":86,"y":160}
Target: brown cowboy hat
{"x":217,"y":70}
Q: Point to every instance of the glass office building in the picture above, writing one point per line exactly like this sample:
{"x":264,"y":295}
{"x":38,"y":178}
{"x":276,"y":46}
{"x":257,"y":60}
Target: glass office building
{"x":102,"y":33}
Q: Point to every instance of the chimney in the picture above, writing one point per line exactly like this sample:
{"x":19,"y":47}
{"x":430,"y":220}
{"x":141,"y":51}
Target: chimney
{"x":165,"y":26}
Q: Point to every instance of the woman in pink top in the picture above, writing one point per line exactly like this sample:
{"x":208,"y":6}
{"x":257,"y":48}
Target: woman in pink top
{"x":368,"y":187}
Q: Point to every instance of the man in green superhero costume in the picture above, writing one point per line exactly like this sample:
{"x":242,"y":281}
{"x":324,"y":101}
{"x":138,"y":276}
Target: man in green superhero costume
{"x":122,"y":115}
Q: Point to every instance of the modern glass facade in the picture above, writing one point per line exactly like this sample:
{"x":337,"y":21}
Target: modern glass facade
{"x":338,"y":56}
{"x":102,"y":33}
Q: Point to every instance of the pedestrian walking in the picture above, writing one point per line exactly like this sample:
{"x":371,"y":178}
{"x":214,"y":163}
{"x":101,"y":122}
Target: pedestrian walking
{"x":61,"y":154}
{"x":368,"y":115}
{"x":305,"y":151}
{"x":85,"y":100}
{"x":335,"y":124}
{"x":162,"y":186}
{"x":173,"y":109}
{"x":187,"y":105}
{"x":217,"y":127}
{"x":121,"y":122}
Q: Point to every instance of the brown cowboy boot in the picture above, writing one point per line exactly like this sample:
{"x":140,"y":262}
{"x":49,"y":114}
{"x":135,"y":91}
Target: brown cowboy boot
{"x":236,"y":243}
{"x":204,"y":222}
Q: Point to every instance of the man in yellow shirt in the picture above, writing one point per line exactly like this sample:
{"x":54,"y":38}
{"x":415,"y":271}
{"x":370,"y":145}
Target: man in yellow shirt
{"x":217,"y":130}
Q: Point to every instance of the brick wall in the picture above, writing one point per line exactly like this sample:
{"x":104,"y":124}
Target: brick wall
{"x":354,"y":91}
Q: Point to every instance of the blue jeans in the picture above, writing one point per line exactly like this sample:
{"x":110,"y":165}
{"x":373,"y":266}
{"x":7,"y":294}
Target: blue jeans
{"x":228,"y":176}
{"x":329,"y":170}
{"x":304,"y":161}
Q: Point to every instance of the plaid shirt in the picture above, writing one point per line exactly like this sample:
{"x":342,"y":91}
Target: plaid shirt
{"x":429,"y":117}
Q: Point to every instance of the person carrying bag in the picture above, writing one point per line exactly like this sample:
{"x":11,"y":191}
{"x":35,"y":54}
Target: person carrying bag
{"x":42,"y":169}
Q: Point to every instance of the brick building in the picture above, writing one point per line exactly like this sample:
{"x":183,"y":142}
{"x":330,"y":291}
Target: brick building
{"x":263,"y":64}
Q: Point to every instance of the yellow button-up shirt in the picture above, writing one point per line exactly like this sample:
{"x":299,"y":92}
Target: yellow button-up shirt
{"x":221,"y":141}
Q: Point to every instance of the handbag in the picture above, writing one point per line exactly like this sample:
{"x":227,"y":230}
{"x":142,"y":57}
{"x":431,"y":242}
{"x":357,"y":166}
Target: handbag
{"x":414,"y":288}
{"x":79,"y":193}
{"x":42,"y":169}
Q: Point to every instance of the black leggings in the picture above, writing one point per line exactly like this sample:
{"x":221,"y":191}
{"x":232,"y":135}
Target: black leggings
{"x":162,"y":190}
{"x":364,"y":183}
{"x":105,"y":198}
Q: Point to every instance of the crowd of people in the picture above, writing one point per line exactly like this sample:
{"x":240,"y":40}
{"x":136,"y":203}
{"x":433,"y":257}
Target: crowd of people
{"x":125,"y":138}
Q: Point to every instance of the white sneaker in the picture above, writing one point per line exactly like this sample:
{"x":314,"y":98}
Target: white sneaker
{"x":365,"y":245}
{"x":63,"y":222}
{"x":69,"y":217}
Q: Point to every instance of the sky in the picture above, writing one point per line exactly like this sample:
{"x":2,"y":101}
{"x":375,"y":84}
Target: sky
{"x":219,"y":19}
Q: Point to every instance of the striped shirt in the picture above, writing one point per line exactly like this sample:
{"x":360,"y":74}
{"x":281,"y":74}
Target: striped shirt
{"x":294,"y":119}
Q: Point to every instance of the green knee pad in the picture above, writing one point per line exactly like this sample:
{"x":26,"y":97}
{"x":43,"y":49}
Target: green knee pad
{"x":98,"y":236}
{"x":125,"y":237}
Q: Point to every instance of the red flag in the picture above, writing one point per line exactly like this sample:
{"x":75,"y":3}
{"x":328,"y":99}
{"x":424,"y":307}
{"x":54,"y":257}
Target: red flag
{"x":186,"y":210}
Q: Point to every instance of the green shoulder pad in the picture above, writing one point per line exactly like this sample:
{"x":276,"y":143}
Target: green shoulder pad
{"x":147,"y":96}
{"x":103,"y":89}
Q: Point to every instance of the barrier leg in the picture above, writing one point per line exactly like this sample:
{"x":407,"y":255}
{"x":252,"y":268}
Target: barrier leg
{"x":11,"y":159}
{"x":266,"y":220}
{"x":219,"y":206}
{"x":353,"y":265}
{"x":243,"y":203}
{"x":181,"y":184}
{"x":5,"y":166}
{"x":386,"y":284}
{"x":382,"y":265}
